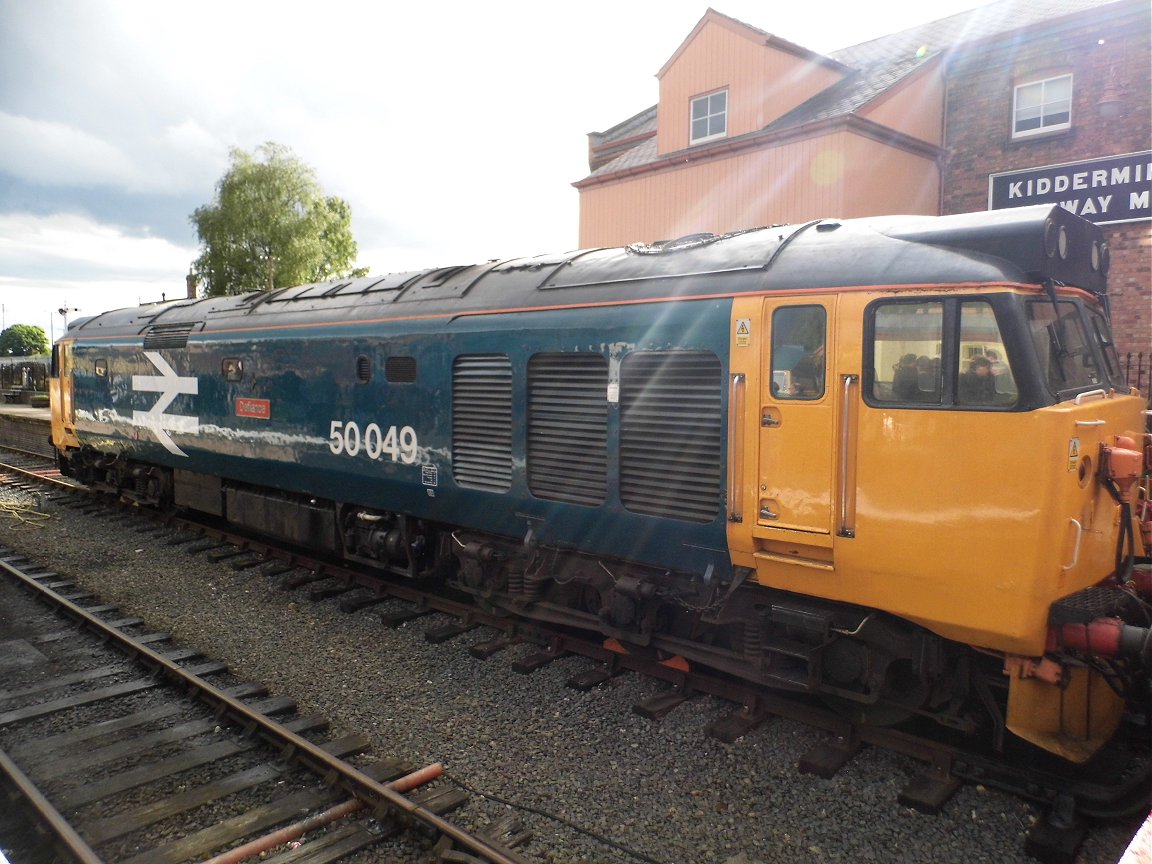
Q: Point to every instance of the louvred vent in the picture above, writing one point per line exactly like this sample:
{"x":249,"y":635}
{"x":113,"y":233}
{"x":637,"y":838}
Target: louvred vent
{"x":168,"y":335}
{"x":482,"y":421}
{"x":671,"y":434}
{"x":568,"y":427}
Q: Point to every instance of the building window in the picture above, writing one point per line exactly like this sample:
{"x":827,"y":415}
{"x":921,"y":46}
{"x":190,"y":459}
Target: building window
{"x":1042,"y":106}
{"x":709,"y":117}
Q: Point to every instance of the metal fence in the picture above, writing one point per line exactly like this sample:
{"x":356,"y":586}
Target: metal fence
{"x":1138,"y":370}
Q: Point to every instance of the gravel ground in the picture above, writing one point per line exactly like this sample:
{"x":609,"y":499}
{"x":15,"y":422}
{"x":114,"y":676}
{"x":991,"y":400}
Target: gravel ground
{"x":663,"y":790}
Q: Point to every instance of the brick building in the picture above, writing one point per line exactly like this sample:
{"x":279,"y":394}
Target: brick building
{"x":751,"y":129}
{"x":1084,"y":144}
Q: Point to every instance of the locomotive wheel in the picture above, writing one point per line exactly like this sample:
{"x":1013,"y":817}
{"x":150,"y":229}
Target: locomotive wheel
{"x":878,"y":665}
{"x":901,"y":698}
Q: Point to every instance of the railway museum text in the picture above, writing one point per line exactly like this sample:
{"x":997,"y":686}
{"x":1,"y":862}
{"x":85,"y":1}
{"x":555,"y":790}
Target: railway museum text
{"x":1108,"y":190}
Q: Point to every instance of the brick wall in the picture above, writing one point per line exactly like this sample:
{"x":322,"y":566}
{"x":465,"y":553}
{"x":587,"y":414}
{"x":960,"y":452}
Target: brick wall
{"x":1113,"y":42}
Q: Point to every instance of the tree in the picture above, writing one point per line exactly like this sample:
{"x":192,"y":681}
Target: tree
{"x":271,"y":226}
{"x":23,"y":340}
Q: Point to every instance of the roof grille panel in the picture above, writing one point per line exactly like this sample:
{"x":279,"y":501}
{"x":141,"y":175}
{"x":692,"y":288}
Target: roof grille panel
{"x":482,"y":421}
{"x":671,"y":434}
{"x":169,"y":335}
{"x":568,"y":427}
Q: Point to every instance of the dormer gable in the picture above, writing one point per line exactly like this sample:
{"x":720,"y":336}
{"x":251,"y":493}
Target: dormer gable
{"x":729,"y":78}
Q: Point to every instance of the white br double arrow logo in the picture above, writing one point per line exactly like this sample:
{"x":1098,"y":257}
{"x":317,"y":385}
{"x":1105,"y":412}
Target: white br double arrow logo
{"x":169,"y":385}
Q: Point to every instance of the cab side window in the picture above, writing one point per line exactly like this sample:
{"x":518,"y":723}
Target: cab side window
{"x":799,"y":335}
{"x":983,"y":376}
{"x":938,"y":353}
{"x":907,"y":344}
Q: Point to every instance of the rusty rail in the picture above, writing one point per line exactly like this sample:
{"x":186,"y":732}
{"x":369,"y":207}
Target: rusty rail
{"x":378,"y":796}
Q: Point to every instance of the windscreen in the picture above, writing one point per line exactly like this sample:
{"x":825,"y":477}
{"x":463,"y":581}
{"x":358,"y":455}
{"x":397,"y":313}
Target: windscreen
{"x":1067,"y":348}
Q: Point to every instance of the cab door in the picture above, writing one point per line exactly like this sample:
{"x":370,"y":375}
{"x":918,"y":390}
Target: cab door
{"x":62,"y":398}
{"x":797,"y":420}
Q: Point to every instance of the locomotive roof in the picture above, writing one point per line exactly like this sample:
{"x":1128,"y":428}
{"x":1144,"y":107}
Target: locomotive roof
{"x":1016,"y":246}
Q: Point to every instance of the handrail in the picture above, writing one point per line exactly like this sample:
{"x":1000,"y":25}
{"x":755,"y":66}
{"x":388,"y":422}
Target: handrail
{"x":1101,"y":393}
{"x":846,"y":530}
{"x":736,"y":387}
{"x":1075,"y":548}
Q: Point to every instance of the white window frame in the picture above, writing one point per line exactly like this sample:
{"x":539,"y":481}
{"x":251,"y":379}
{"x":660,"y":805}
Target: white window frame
{"x":692,"y":118}
{"x":1045,"y":104}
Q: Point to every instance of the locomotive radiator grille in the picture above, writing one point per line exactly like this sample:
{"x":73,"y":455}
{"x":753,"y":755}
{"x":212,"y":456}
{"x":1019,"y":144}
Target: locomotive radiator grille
{"x":169,"y":335}
{"x":568,"y":427}
{"x":671,"y":434}
{"x":482,"y":421}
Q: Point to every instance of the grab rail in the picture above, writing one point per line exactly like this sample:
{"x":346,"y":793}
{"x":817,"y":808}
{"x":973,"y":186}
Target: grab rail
{"x":1076,"y":547}
{"x":846,"y":529}
{"x":735,"y":446}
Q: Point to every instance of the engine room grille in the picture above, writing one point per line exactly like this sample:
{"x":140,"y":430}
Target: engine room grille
{"x":399,"y":369}
{"x":482,"y":421}
{"x":568,"y":427}
{"x":671,"y":434}
{"x":168,"y":335}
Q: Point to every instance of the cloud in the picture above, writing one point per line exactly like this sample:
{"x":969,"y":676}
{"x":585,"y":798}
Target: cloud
{"x":56,"y":154}
{"x":71,"y":244}
{"x":68,"y":261}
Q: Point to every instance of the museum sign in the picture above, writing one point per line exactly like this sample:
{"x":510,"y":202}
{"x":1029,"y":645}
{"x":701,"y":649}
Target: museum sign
{"x":1108,"y":190}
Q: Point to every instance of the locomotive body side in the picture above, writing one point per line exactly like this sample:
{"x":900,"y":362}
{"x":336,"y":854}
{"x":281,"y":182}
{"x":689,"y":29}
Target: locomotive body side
{"x":312,"y":413}
{"x":880,"y":461}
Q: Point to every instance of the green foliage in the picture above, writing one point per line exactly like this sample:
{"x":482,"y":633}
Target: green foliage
{"x":271,"y":226}
{"x":23,"y":340}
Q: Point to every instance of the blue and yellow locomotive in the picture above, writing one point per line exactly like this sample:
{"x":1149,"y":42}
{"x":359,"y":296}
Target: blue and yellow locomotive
{"x":884,"y":461}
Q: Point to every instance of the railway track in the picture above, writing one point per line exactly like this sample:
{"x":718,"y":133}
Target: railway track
{"x":946,"y":763}
{"x":127,"y":749}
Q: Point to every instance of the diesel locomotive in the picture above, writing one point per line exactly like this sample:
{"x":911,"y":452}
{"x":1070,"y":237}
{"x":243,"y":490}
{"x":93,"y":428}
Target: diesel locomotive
{"x":890,"y":462}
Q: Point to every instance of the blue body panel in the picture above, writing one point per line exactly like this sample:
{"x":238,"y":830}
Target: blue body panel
{"x":305,"y":378}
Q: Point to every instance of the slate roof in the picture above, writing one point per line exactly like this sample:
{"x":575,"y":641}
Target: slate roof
{"x":877,"y":65}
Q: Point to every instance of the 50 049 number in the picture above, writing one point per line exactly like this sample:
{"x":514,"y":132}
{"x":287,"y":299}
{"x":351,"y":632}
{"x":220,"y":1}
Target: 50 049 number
{"x":398,"y":445}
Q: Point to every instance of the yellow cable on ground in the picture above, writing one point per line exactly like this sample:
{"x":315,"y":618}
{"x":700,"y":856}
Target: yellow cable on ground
{"x":25,"y":515}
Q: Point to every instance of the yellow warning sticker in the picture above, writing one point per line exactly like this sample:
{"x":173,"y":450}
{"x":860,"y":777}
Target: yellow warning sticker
{"x":743,"y":332}
{"x":1073,"y":454}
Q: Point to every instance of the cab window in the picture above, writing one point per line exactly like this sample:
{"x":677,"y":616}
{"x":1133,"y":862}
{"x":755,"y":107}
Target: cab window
{"x":983,"y":376}
{"x":798,"y":340}
{"x":1062,"y":346}
{"x":1103,"y":335}
{"x":939,"y":353}
{"x":908,"y":338}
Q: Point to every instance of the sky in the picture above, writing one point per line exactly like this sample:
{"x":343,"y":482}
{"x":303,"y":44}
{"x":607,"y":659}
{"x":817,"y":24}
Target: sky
{"x":454,"y":130}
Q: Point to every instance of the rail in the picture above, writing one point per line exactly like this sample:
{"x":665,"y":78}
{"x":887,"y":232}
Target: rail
{"x":344,"y":775}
